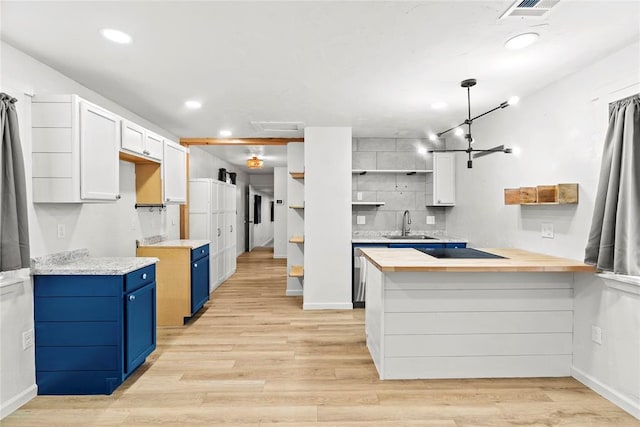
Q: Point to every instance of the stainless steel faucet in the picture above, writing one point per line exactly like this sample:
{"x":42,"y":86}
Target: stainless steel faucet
{"x":406,"y":220}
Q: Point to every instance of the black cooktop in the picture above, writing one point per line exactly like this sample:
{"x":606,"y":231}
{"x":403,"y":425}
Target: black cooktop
{"x":457,"y":253}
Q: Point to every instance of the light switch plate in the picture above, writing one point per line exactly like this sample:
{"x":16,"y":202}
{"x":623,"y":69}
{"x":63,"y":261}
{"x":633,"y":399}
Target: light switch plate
{"x":359,"y":195}
{"x":361,"y":220}
{"x":596,"y":334}
{"x":61,"y":231}
{"x":547,"y":230}
{"x":431,"y":219}
{"x":27,"y":339}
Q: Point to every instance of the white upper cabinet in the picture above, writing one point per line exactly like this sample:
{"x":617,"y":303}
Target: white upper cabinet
{"x":443,"y":190}
{"x":75,"y":151}
{"x":141,"y":142}
{"x":174,"y":173}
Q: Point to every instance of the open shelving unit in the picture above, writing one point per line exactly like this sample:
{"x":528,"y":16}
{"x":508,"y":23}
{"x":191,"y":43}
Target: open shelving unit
{"x":296,"y":206}
{"x":296,"y":239}
{"x":295,"y":218}
{"x":297,"y":175}
{"x":558,"y":194}
{"x":367,"y":204}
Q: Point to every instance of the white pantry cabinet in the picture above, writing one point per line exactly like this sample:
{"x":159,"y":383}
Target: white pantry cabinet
{"x":75,"y":151}
{"x":141,"y":142}
{"x":443,"y":191}
{"x":212,"y":216}
{"x":174,"y":173}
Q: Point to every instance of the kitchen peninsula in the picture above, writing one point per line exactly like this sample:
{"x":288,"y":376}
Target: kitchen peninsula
{"x":429,"y":317}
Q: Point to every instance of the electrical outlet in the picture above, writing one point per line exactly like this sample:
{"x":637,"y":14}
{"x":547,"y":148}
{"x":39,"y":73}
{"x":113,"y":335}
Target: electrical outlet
{"x":361,"y":220}
{"x":596,"y":334}
{"x":61,"y":231}
{"x":27,"y":339}
{"x":431,"y":219}
{"x":359,"y":195}
{"x":547,"y":230}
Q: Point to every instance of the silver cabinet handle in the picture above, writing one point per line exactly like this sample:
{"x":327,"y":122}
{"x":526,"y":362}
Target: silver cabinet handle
{"x":118,"y":196}
{"x":195,"y":265}
{"x":202,"y":251}
{"x":147,"y":152}
{"x":132,"y":297}
{"x":144,"y":276}
{"x":168,"y":199}
{"x":218,"y":231}
{"x":231,"y":228}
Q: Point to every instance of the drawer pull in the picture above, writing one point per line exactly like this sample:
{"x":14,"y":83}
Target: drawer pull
{"x":195,"y":265}
{"x":144,"y":276}
{"x":132,"y":297}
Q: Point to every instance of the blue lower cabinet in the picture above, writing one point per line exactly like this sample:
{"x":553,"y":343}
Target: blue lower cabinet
{"x":199,"y":283}
{"x":417,"y":245}
{"x":92,"y":332}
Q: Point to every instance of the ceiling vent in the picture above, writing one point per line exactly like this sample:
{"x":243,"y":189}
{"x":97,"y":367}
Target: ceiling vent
{"x":529,"y":8}
{"x":278,"y":126}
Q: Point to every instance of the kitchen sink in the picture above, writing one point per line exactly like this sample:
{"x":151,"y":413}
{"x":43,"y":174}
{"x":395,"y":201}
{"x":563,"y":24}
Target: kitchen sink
{"x":411,"y":237}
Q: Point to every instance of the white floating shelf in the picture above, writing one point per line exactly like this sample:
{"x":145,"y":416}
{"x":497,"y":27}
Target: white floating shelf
{"x":408,"y":172}
{"x":367,"y":203}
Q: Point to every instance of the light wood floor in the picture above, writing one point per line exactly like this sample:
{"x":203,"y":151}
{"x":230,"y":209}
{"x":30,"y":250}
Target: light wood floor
{"x":254,"y":358}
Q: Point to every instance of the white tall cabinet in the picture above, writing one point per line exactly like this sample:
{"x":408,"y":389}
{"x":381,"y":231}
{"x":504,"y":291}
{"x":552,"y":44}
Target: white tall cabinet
{"x":212,"y":216}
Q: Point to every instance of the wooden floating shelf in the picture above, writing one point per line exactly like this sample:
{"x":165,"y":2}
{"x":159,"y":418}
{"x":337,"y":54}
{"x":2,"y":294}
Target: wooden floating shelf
{"x":367,"y":203}
{"x":297,"y":175}
{"x":559,"y":194}
{"x":296,"y":239}
{"x":408,"y":172}
{"x":296,"y":206}
{"x":296,"y":271}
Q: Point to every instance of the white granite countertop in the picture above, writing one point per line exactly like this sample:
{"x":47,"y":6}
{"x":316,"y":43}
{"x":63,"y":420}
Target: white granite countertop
{"x":182,"y":243}
{"x":78,"y":262}
{"x":379,"y":237}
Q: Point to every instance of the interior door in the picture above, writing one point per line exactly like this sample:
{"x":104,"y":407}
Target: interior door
{"x":248,"y":221}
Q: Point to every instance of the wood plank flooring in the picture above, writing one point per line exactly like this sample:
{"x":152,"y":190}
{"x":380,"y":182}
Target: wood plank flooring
{"x":254,"y":358}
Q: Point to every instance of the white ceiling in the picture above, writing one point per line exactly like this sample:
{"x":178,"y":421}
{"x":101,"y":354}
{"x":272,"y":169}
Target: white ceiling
{"x":374,"y":66}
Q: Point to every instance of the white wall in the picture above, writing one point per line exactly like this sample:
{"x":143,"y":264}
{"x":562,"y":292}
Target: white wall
{"x":560,"y":133}
{"x":203,"y":164}
{"x":280,"y":210}
{"x":106,"y":229}
{"x":327,"y":218}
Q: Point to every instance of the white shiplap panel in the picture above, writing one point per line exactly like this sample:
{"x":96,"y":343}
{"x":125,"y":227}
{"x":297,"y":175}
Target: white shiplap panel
{"x":51,"y":114}
{"x":478,"y":300}
{"x":52,"y":165}
{"x":477,"y":345}
{"x":52,"y":140}
{"x":447,"y":280}
{"x":478,"y":322}
{"x":53,"y":189}
{"x":478,"y":367}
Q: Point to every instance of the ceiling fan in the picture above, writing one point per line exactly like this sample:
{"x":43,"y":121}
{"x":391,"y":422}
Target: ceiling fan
{"x":469,"y":83}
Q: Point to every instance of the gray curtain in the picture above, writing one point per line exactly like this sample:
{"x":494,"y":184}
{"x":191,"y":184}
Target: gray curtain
{"x":614,"y":240}
{"x":14,"y":227}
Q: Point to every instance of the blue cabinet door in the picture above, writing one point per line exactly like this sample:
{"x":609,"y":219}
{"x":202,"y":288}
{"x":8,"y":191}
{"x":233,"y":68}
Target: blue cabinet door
{"x":140,"y":326}
{"x":199,"y":283}
{"x":417,"y":245}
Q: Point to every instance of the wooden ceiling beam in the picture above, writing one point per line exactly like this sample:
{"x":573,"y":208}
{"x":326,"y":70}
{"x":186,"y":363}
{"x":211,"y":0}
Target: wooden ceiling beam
{"x":238,"y":141}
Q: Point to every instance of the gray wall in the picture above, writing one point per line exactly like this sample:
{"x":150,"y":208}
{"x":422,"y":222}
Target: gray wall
{"x":400,"y":192}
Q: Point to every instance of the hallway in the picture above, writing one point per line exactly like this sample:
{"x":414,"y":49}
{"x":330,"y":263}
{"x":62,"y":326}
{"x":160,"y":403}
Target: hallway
{"x":253,"y":358}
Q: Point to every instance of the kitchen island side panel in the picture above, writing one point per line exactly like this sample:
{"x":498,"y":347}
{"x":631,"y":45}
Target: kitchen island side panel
{"x":474,"y":325}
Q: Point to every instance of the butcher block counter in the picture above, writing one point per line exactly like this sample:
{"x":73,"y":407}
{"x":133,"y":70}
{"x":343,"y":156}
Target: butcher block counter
{"x":516,"y":260}
{"x":430,"y":317}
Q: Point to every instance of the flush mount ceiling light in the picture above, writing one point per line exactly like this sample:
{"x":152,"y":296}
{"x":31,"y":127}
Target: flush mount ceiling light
{"x":116,"y":36}
{"x":254,"y":163}
{"x":225,"y":133}
{"x":193,"y":105}
{"x":521,"y":41}
{"x":468,"y":84}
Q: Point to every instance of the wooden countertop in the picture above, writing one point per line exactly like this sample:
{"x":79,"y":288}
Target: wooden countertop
{"x":517,"y":260}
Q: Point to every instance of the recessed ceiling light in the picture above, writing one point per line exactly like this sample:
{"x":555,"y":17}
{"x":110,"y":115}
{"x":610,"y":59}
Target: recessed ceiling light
{"x":116,"y":36}
{"x":422,"y":150}
{"x":521,"y":41}
{"x":459,"y":131}
{"x":432,"y":137}
{"x":439,"y":105}
{"x":225,"y":133}
{"x":194,"y":105}
{"x":513,"y":100}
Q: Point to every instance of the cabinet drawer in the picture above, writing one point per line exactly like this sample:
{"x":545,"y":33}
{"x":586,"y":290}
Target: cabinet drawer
{"x":200,"y":252}
{"x":140,"y":277}
{"x":456,"y":245}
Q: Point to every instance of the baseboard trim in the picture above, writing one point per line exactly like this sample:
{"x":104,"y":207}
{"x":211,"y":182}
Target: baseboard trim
{"x":328,"y":306}
{"x":14,"y":403}
{"x":294,"y":292}
{"x":279,"y":256}
{"x":615,"y":397}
